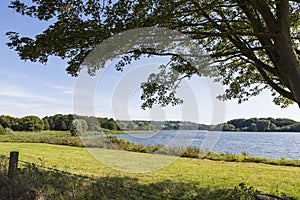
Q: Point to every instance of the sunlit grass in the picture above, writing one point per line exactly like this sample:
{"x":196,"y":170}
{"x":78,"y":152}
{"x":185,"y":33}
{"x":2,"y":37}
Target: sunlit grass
{"x":202,"y":173}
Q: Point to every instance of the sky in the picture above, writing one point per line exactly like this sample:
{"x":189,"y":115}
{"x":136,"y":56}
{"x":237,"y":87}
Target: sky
{"x":36,"y":89}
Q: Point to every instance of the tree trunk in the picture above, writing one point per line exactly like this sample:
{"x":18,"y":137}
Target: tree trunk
{"x":290,"y":67}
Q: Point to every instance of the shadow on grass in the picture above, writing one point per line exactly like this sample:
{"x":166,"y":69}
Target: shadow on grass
{"x":32,"y":182}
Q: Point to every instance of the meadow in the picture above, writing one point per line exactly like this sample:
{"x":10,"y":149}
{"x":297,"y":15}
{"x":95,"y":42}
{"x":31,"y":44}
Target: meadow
{"x":276,"y":180}
{"x":165,"y":175}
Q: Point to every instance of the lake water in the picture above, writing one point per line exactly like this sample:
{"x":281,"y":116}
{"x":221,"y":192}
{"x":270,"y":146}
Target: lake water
{"x":274,"y":145}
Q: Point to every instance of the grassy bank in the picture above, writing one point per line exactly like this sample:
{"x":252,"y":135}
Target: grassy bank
{"x":183,"y":172}
{"x":110,"y":142}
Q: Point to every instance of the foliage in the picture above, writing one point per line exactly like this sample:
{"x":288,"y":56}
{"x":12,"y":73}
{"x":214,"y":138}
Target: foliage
{"x":2,"y":130}
{"x":29,"y":123}
{"x":61,"y":122}
{"x":46,"y":124}
{"x":7,"y":121}
{"x":159,"y":125}
{"x":79,"y":127}
{"x":8,"y":130}
{"x":263,"y":124}
{"x":253,"y":44}
{"x":107,"y":123}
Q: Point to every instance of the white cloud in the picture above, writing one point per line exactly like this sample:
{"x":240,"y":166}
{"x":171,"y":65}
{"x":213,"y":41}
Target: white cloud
{"x":17,"y":93}
{"x":63,"y":89}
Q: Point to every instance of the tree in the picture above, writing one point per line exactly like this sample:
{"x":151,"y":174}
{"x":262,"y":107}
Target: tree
{"x":79,"y":127}
{"x":46,"y":124}
{"x":253,"y":43}
{"x":252,"y":127}
{"x":228,"y":127}
{"x":263,"y":125}
{"x":30,"y":123}
{"x":111,"y":125}
{"x":7,"y":121}
{"x":2,"y":130}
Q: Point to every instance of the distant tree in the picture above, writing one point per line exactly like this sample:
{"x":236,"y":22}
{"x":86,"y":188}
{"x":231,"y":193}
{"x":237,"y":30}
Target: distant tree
{"x":30,"y":123}
{"x":281,"y":122}
{"x":46,"y":124}
{"x":291,"y":128}
{"x":51,"y":122}
{"x":295,"y":127}
{"x":78,"y":127}
{"x":252,"y":127}
{"x":2,"y":130}
{"x":263,"y":125}
{"x":7,"y":121}
{"x":93,"y":124}
{"x":63,"y":126}
{"x":111,"y":125}
{"x":273,"y":127}
{"x":131,"y":126}
{"x":202,"y":127}
{"x":122,"y":126}
{"x":228,"y":127}
{"x":142,"y":125}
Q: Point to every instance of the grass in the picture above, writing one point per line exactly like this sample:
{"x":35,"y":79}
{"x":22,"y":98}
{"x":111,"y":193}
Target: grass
{"x":190,"y":174}
{"x":112,"y":142}
{"x":50,"y":137}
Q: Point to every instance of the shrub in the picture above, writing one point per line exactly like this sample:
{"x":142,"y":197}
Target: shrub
{"x":8,"y":130}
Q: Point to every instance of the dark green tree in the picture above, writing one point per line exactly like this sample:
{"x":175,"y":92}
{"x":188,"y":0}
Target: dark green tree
{"x":253,"y":43}
{"x":252,"y":127}
{"x":2,"y":130}
{"x":111,"y":125}
{"x":263,"y":125}
{"x":7,"y":121}
{"x":30,"y":123}
{"x":46,"y":124}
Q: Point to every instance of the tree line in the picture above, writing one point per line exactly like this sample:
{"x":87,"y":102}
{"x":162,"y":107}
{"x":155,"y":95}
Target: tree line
{"x":259,"y":124}
{"x":75,"y":123}
{"x":57,"y":122}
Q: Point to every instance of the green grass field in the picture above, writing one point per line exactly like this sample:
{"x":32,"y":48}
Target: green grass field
{"x":151,"y":169}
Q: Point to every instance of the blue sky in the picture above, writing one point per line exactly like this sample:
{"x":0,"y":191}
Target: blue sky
{"x":36,"y":89}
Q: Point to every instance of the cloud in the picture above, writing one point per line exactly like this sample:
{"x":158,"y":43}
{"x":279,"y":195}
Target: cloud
{"x":17,"y":105}
{"x":63,"y":89}
{"x":28,"y":96}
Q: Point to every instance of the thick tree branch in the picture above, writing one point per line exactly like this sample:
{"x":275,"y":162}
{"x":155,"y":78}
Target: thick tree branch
{"x":262,"y":7}
{"x":275,"y":86}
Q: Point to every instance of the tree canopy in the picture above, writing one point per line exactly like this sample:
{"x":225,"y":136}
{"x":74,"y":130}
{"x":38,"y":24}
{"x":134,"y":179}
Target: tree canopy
{"x":254,"y":44}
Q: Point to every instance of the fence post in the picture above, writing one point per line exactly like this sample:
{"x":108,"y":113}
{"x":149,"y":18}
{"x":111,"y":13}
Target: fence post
{"x":13,"y":164}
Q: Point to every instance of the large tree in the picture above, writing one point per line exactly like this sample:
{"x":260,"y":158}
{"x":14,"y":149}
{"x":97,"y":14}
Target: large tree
{"x":253,"y":43}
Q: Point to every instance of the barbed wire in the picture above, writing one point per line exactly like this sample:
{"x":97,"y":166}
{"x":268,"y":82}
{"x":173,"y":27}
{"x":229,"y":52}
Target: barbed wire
{"x":144,"y":193}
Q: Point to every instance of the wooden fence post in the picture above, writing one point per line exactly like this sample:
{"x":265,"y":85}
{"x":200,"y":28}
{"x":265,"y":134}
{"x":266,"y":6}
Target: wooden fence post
{"x":13,"y":164}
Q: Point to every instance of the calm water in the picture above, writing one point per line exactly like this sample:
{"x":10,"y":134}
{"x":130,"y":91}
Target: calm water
{"x":272,"y":145}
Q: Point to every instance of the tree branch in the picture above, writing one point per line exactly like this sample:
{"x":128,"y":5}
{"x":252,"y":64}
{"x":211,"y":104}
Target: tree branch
{"x":228,"y":33}
{"x":263,"y":9}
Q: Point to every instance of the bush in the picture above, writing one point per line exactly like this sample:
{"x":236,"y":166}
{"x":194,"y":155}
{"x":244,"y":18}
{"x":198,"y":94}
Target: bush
{"x":8,"y":130}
